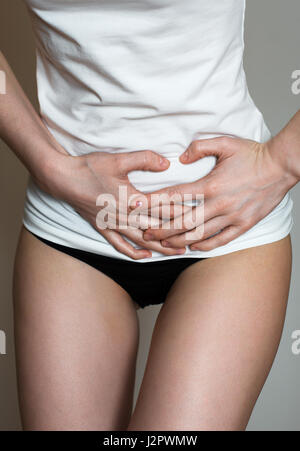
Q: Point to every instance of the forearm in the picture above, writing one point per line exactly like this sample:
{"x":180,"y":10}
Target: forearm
{"x":24,"y":131}
{"x":286,"y":148}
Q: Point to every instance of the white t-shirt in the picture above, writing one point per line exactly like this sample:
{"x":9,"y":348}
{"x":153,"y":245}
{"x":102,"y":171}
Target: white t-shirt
{"x":128,"y":75}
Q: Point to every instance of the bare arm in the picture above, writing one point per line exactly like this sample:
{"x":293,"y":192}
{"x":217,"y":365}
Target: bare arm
{"x":248,"y":182}
{"x":76,"y":180}
{"x":25,"y":133}
{"x":286,"y":147}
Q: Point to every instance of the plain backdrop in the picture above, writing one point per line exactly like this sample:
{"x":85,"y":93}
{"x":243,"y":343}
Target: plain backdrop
{"x":272,"y":54}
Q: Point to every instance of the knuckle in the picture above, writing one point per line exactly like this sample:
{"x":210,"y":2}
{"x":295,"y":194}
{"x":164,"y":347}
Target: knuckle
{"x":246,"y":225}
{"x":224,"y":239}
{"x":243,"y":220}
{"x":136,"y":240}
{"x":118,"y":248}
{"x":225,"y":203}
{"x":134,"y":254}
{"x":221,"y":203}
{"x":172,"y":192}
{"x":234,"y":217}
{"x":195,"y":146}
{"x":174,"y":195}
{"x":207,"y":246}
{"x":159,"y":235}
{"x":228,"y":142}
{"x":228,"y":240}
{"x":212,"y":188}
{"x":168,"y":251}
{"x":189,"y":223}
{"x":207,"y":234}
{"x":118,"y":162}
{"x":147,"y":157}
{"x":225,"y":141}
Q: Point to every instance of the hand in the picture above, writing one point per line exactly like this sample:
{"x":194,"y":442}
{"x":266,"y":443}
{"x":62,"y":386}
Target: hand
{"x":247,"y":182}
{"x":81,"y":180}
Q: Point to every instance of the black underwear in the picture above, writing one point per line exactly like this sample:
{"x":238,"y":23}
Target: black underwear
{"x":147,"y":283}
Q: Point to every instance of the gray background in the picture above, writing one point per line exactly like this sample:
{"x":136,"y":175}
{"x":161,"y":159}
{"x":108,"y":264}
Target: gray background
{"x":271,"y":55}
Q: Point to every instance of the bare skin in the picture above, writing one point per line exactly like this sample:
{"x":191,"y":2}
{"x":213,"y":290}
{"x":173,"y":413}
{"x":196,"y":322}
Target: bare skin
{"x":214,"y":341}
{"x":77,"y":180}
{"x":77,"y":339}
{"x":76,"y":342}
{"x":217,"y":334}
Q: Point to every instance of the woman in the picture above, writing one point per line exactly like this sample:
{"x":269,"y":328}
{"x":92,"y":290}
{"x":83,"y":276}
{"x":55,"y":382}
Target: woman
{"x":125,"y":89}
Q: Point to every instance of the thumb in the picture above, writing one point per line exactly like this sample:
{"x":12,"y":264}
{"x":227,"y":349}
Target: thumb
{"x":205,"y":147}
{"x":144,"y":160}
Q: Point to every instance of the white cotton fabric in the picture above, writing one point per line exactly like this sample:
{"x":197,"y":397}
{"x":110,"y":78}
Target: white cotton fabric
{"x":128,"y":75}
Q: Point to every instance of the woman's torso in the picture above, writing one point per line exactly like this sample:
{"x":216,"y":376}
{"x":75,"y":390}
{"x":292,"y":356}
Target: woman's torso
{"x":120,"y":75}
{"x":127,"y":75}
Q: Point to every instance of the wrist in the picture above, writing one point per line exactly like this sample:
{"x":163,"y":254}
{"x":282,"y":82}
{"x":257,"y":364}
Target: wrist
{"x":51,"y":171}
{"x":281,"y":153}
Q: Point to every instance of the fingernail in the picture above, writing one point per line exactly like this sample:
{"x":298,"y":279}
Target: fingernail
{"x":163,"y":162}
{"x":138,"y":203}
{"x":185,"y":156}
{"x":180,"y":251}
{"x":147,"y":253}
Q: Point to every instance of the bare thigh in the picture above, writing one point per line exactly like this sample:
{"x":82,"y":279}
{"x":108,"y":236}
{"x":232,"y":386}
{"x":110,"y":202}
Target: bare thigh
{"x":215,"y":340}
{"x":76,"y":336}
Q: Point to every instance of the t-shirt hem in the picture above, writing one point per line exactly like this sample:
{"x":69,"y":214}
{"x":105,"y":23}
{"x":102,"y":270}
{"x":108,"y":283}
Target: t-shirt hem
{"x":61,"y":238}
